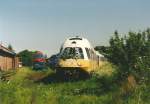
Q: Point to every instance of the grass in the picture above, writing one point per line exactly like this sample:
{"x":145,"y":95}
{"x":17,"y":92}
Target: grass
{"x":42,"y":87}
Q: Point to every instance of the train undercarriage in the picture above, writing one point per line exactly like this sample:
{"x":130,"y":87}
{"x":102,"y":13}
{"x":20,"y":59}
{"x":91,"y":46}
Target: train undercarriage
{"x":72,"y":73}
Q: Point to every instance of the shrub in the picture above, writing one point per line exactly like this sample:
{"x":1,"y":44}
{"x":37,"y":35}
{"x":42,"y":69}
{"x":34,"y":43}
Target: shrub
{"x":131,"y":53}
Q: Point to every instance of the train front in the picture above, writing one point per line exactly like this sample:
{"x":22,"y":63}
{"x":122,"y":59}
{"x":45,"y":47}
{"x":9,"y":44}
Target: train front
{"x":72,"y":61}
{"x":39,"y":61}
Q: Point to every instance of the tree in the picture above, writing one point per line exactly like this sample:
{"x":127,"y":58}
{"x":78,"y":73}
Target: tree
{"x":26,"y":57}
{"x":131,"y":53}
{"x":10,"y":47}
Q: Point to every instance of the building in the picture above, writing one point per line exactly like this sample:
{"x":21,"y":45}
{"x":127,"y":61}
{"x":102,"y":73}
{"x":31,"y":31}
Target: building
{"x":8,"y":59}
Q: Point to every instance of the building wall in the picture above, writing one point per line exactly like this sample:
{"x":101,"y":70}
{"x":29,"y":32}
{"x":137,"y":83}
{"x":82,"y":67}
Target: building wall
{"x":8,"y":62}
{"x":16,"y":62}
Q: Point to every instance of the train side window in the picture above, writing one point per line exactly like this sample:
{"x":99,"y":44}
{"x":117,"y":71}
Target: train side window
{"x":80,"y":53}
{"x":91,"y":54}
{"x":88,"y":52}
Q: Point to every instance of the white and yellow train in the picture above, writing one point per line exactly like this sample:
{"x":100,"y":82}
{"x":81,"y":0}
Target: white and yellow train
{"x":77,"y":54}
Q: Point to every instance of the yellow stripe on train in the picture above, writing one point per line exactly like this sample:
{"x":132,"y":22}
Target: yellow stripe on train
{"x":86,"y":65}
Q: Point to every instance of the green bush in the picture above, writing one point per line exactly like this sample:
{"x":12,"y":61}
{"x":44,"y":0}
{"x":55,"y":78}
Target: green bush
{"x":131,"y":53}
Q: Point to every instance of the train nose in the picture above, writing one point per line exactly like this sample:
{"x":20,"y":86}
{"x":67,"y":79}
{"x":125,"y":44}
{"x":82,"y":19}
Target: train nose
{"x":68,"y":63}
{"x":73,"y":63}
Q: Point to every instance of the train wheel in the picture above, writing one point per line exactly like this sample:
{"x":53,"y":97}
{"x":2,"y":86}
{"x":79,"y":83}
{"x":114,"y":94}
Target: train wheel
{"x":60,"y":74}
{"x":75,"y":74}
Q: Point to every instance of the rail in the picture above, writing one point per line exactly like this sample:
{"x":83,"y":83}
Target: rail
{"x":6,"y":76}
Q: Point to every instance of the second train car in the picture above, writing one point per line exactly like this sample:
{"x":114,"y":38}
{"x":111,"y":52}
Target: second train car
{"x":39,"y":60}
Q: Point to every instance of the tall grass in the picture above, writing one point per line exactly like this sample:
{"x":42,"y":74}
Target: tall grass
{"x":27,"y":87}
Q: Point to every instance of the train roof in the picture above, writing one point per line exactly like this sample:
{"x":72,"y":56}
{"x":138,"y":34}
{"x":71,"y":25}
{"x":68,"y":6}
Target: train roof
{"x":76,"y":42}
{"x":38,"y":52}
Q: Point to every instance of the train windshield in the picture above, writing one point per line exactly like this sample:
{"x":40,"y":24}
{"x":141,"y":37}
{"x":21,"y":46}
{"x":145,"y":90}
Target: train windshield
{"x":72,"y":53}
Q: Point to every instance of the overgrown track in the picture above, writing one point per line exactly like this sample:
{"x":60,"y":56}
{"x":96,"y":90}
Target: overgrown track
{"x":6,"y":75}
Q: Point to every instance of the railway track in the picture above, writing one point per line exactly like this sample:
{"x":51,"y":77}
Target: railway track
{"x":6,"y":76}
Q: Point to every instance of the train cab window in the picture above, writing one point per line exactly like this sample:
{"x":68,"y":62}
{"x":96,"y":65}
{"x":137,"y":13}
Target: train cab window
{"x":92,"y":54}
{"x":88,"y":52}
{"x":72,"y":53}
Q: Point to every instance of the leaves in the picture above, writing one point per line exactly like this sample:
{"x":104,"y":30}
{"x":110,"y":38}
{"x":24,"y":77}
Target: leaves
{"x":126,"y":52}
{"x":26,"y":57}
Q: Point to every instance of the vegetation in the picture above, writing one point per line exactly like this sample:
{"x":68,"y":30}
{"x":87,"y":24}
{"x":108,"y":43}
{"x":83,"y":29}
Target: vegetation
{"x":131,"y":53}
{"x":10,"y":47}
{"x":26,"y":57}
{"x":43,"y":87}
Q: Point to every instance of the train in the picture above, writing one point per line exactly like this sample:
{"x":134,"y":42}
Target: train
{"x":78,"y":56}
{"x":39,"y":60}
{"x":53,"y":61}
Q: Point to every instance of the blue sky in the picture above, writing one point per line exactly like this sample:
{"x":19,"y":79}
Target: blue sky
{"x":44,"y":24}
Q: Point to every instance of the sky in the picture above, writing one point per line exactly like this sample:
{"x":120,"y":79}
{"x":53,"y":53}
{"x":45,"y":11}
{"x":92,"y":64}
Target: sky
{"x":45,"y":24}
